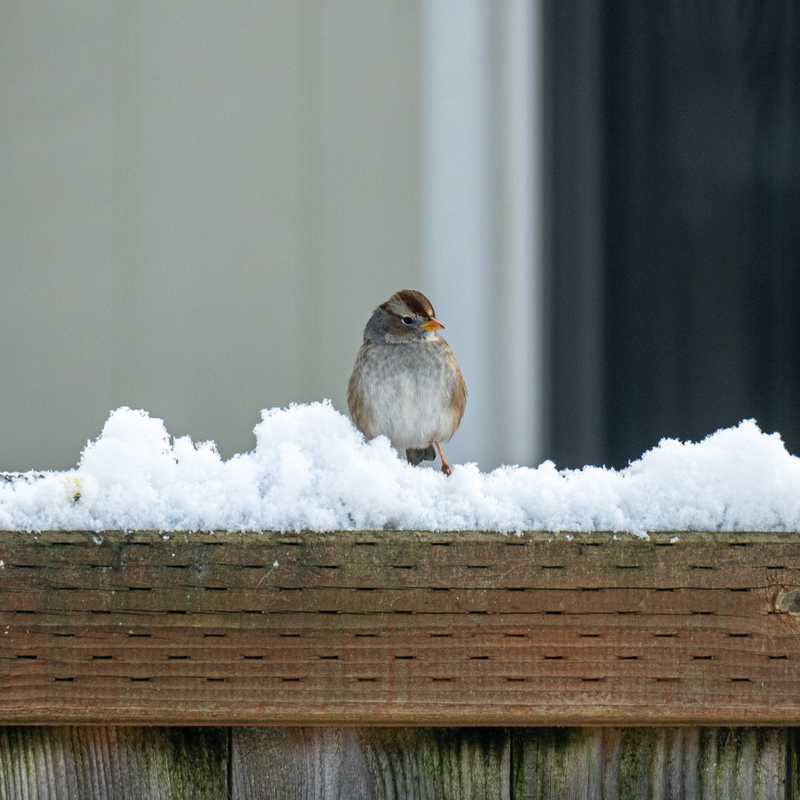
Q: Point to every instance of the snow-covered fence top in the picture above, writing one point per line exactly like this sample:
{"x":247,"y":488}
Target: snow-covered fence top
{"x":311,"y":470}
{"x":415,"y":628}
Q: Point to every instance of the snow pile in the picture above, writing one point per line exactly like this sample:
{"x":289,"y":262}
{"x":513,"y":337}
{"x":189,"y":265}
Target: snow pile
{"x":312,"y":470}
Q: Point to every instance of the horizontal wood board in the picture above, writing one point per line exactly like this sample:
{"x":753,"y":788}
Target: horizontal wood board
{"x":399,"y":628}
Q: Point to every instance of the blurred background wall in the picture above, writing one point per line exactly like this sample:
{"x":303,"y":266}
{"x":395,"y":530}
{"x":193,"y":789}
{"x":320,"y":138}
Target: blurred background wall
{"x":201,"y":203}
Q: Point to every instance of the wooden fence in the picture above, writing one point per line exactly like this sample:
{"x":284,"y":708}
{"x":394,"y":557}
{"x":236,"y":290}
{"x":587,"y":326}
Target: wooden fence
{"x":121,"y":763}
{"x":405,"y":629}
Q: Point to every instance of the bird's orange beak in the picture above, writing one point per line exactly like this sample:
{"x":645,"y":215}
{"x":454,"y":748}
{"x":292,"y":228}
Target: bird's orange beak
{"x":431,"y":325}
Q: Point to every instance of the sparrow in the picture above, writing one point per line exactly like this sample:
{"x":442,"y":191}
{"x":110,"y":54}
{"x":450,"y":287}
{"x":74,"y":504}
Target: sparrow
{"x":406,"y":382}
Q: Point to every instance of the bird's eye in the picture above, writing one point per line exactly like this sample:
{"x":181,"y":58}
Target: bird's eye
{"x":408,"y":320}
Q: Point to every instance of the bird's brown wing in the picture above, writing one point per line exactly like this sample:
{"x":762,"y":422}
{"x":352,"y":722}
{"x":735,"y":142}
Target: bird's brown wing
{"x":458,"y":400}
{"x":356,"y":401}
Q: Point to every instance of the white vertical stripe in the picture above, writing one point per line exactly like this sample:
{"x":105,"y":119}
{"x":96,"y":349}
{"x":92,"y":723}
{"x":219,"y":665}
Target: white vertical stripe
{"x":480,"y":237}
{"x":522,"y":292}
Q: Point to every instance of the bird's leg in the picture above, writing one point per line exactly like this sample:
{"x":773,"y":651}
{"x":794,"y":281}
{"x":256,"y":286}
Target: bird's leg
{"x":445,"y":466}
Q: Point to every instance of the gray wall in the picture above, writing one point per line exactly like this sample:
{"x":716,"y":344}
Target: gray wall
{"x":200,"y":203}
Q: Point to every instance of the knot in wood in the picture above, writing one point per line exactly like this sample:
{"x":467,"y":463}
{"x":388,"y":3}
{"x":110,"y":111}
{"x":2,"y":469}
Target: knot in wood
{"x":789,"y":601}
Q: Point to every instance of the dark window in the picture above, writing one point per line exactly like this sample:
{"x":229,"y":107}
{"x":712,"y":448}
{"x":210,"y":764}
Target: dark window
{"x":674,"y":219}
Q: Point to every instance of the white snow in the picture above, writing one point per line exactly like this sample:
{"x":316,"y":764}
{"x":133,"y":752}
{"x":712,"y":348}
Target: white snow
{"x":311,"y":470}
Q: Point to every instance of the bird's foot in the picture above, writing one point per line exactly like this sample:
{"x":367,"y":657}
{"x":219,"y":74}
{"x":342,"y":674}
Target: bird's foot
{"x":445,"y":466}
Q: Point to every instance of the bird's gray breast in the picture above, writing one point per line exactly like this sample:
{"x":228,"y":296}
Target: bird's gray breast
{"x":407,"y":390}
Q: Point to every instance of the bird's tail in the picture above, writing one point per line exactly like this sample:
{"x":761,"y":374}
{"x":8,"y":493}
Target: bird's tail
{"x":414,"y":456}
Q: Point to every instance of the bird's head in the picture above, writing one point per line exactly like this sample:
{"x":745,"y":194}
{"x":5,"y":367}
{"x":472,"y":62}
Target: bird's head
{"x":405,"y":317}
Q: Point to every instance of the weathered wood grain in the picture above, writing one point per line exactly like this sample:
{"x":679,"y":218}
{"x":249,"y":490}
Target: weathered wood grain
{"x":371,"y":764}
{"x":643,"y":763}
{"x":113,"y":763}
{"x":399,"y":628}
{"x":103,"y":763}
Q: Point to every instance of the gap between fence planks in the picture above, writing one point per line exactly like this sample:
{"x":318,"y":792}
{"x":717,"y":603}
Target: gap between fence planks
{"x":399,"y":628}
{"x":397,"y":764}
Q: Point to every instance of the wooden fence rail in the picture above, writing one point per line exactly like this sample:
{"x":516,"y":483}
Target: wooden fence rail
{"x":399,"y":628}
{"x":406,"y":629}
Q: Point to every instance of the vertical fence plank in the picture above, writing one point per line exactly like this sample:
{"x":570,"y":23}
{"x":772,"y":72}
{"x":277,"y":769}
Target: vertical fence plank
{"x":556,"y":763}
{"x":743,"y":763}
{"x":793,"y":764}
{"x":371,"y":764}
{"x":657,"y":763}
{"x":113,"y":763}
